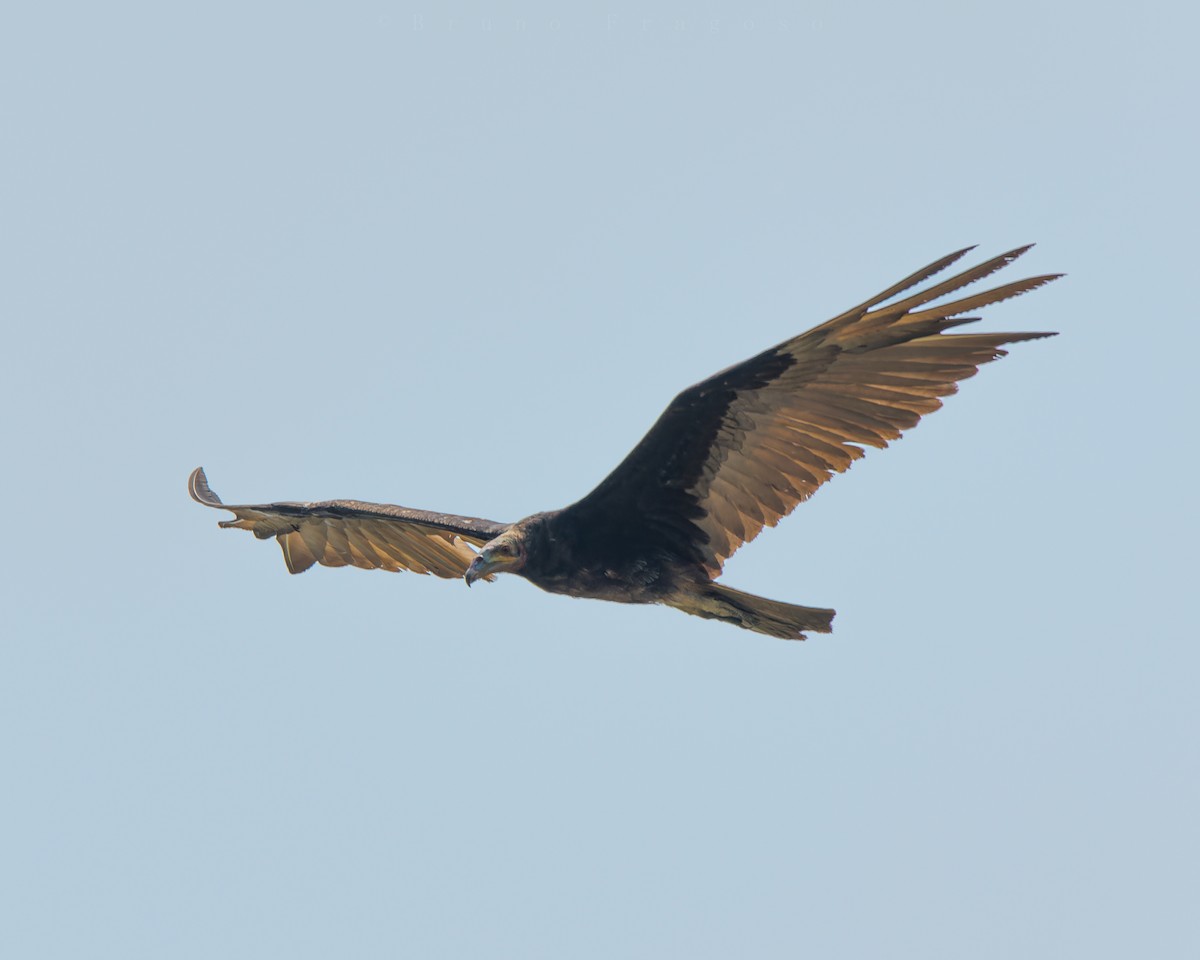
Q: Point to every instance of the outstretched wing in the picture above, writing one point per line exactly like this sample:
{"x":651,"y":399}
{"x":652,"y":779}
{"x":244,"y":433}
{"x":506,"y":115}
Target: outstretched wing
{"x":374,"y":536}
{"x":740,"y":450}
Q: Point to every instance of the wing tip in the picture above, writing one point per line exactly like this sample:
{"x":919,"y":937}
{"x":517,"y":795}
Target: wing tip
{"x":1033,"y":335}
{"x":1012,"y":255}
{"x":947,"y":261}
{"x":200,"y":491}
{"x":1030,"y":283}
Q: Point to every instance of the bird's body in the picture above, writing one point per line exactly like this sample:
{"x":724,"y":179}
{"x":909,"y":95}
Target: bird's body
{"x":560,"y":558}
{"x":730,"y":455}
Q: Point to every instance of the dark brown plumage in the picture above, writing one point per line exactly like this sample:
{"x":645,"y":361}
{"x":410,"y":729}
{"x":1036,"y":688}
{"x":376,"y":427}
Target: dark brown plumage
{"x":730,"y":455}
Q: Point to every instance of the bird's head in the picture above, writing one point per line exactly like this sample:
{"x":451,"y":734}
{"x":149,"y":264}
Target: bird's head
{"x":505,"y":554}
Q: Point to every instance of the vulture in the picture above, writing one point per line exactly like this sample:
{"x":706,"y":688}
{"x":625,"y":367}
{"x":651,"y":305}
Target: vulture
{"x":729,"y":456}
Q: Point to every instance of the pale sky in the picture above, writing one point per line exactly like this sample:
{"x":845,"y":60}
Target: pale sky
{"x":459,"y":258}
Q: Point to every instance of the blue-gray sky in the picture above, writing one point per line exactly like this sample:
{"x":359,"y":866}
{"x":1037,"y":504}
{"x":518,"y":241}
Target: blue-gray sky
{"x":459,"y":257}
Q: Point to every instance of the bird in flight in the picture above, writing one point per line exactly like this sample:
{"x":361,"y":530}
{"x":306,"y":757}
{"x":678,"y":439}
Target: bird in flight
{"x":730,"y":455}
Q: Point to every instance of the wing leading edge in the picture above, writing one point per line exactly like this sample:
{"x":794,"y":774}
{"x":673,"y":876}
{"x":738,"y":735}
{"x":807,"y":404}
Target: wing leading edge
{"x":372,"y":536}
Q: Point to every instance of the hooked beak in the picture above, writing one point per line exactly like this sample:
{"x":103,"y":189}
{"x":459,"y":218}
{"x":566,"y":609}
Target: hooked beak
{"x":482,"y":566}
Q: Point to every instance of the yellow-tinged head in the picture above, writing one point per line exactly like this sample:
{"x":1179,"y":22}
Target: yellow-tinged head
{"x":505,"y":554}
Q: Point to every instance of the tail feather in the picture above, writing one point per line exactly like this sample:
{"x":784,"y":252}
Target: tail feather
{"x":788,"y":621}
